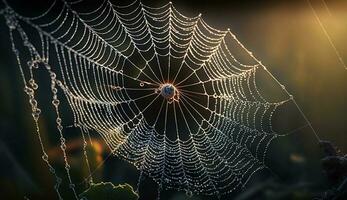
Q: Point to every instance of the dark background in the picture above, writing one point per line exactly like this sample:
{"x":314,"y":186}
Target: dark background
{"x":285,"y":35}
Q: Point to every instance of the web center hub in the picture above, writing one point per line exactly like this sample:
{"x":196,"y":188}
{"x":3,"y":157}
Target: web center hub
{"x":169,"y":92}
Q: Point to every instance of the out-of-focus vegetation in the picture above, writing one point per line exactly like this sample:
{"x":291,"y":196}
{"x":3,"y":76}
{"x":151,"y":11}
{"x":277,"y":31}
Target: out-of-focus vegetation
{"x":110,"y":192}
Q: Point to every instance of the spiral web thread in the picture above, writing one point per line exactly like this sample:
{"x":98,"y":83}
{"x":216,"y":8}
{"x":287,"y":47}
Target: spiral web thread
{"x":110,"y":64}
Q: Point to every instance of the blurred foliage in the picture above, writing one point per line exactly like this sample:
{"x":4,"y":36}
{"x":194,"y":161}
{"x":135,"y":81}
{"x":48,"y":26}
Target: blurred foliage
{"x":107,"y":191}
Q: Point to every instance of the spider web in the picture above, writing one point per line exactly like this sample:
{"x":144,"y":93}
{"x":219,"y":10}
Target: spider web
{"x":111,"y":64}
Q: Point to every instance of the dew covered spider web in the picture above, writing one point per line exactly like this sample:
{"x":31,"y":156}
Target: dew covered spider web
{"x":168,"y":93}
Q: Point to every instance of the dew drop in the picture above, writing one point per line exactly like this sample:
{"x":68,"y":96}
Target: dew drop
{"x":189,"y":193}
{"x":55,"y":102}
{"x":45,"y":157}
{"x":30,"y":63}
{"x":53,"y":76}
{"x":52,"y":170}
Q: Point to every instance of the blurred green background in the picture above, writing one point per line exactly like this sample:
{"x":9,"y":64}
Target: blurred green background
{"x":284,"y":35}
